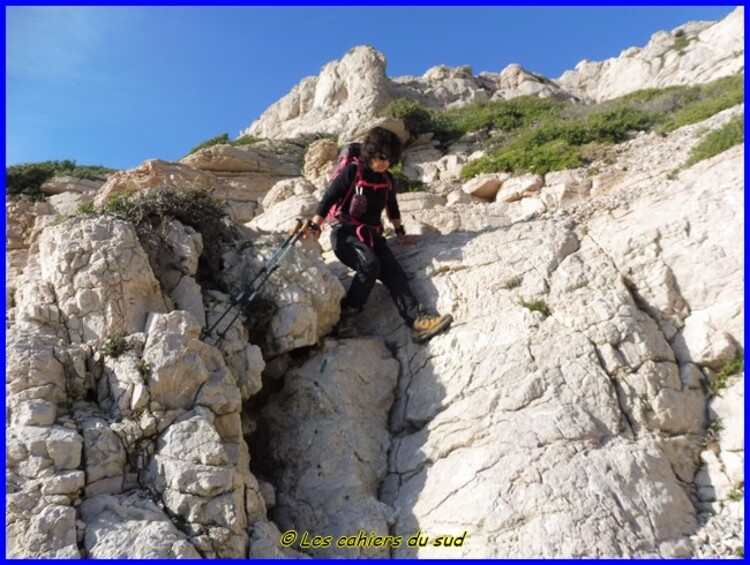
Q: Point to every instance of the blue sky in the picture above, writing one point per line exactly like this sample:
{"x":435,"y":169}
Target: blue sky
{"x":116,"y":86}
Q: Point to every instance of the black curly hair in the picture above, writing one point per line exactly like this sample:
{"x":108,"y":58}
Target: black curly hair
{"x":381,"y":142}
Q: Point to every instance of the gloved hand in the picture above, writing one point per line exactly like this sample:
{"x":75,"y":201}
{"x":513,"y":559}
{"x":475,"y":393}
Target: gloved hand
{"x":313,"y":230}
{"x":400,"y":230}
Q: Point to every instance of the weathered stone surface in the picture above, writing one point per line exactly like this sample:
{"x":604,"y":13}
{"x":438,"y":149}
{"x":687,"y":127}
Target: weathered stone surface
{"x":58,"y":185}
{"x":346,"y":93}
{"x":243,"y":159}
{"x":320,"y":158}
{"x":305,"y":293}
{"x":131,"y":526}
{"x":485,"y":186}
{"x":22,"y":219}
{"x":100,"y":275}
{"x":282,"y":216}
{"x":287,"y":189}
{"x":563,"y":414}
{"x":332,"y":414}
{"x":712,"y":50}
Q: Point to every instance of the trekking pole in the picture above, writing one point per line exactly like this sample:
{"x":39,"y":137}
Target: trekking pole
{"x":246,"y":297}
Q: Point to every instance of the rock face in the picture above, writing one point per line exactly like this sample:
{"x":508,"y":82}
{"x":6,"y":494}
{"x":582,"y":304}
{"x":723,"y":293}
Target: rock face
{"x":344,"y":94}
{"x":697,"y":52}
{"x":333,"y":413}
{"x":351,"y":91}
{"x":580,"y":406}
{"x":122,"y":421}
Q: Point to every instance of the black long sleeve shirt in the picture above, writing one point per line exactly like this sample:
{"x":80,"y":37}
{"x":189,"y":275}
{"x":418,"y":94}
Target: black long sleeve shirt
{"x":378,"y":199}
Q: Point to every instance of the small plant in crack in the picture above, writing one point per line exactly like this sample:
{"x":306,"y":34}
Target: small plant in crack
{"x":515,"y":282}
{"x":736,"y":495}
{"x":144,"y":368}
{"x":713,"y":386}
{"x":712,"y":433}
{"x":537,"y":306}
{"x":114,"y":346}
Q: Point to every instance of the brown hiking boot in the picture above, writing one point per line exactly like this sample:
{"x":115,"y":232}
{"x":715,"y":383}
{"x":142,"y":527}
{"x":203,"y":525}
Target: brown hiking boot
{"x":346,"y":328}
{"x":427,"y":326}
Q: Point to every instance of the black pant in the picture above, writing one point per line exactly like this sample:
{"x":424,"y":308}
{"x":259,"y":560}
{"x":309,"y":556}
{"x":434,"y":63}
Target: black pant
{"x":371,"y":264}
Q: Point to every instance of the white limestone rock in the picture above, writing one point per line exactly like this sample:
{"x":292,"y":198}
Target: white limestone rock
{"x":332,"y":414}
{"x":712,"y":50}
{"x":131,"y":526}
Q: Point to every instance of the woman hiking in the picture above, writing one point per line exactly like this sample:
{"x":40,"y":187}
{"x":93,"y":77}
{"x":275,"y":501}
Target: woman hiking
{"x":354,"y":203}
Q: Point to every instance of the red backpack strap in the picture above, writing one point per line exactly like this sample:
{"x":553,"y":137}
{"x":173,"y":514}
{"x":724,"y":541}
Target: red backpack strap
{"x":334,"y":213}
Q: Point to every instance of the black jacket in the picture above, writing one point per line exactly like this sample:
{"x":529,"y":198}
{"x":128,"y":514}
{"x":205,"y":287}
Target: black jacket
{"x":377,"y":199}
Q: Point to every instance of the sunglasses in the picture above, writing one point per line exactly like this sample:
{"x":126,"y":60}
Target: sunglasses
{"x":383,"y":157}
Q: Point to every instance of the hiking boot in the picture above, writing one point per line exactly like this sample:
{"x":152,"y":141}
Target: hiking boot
{"x":346,"y":327}
{"x":427,"y":326}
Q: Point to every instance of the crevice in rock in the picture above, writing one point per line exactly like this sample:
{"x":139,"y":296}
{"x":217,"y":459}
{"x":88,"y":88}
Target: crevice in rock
{"x":627,"y":417}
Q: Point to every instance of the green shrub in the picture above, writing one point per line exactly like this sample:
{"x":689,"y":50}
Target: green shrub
{"x":733,"y":367}
{"x":114,"y":346}
{"x":713,"y":387}
{"x":151,"y":211}
{"x":191,"y":207}
{"x":416,"y":117}
{"x":736,"y":495}
{"x":223,"y":139}
{"x":551,"y":140}
{"x":402,"y":183}
{"x":27,"y":179}
{"x":612,"y":126}
{"x":218,"y":140}
{"x":681,"y":41}
{"x":525,"y":156}
{"x":699,"y":103}
{"x":449,"y":125}
{"x":531,"y":134}
{"x":144,"y":368}
{"x":718,"y":141}
{"x":86,"y":209}
{"x":258,"y":315}
{"x":246,"y":140}
{"x":504,"y":116}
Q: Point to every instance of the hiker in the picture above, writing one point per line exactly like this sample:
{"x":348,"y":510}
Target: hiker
{"x":354,"y":203}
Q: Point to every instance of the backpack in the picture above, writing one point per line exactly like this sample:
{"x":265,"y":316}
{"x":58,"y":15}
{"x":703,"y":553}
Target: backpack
{"x":357,"y":201}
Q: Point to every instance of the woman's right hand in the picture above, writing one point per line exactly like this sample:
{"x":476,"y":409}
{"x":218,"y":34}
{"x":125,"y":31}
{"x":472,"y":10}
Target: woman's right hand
{"x":315,"y":227}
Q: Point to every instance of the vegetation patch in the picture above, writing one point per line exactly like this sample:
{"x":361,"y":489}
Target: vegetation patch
{"x":144,"y":368}
{"x":86,"y":209}
{"x":718,"y":141}
{"x":28,"y":178}
{"x":537,"y":306}
{"x":151,"y":211}
{"x":693,"y":104}
{"x":713,"y":387}
{"x":736,"y":494}
{"x":114,"y":346}
{"x":514,"y":282}
{"x":402,"y":183}
{"x":223,"y":139}
{"x":539,"y":135}
{"x":681,"y":41}
{"x":416,"y":117}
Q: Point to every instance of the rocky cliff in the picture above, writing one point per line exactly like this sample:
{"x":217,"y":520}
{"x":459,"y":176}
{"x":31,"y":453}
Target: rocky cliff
{"x":347,"y":93}
{"x":580,"y":405}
